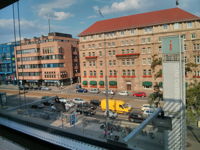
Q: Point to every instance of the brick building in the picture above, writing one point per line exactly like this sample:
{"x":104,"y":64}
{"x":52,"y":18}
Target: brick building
{"x":48,"y":60}
{"x":130,"y":47}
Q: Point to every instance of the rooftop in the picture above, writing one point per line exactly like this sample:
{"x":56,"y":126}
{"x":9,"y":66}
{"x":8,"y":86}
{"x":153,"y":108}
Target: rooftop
{"x":140,"y":20}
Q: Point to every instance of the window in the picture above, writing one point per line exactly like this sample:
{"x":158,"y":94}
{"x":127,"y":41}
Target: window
{"x":89,"y":53}
{"x":149,"y":72}
{"x":95,"y":73}
{"x":193,"y":35}
{"x":90,"y":63}
{"x":123,"y":62}
{"x":101,"y":72}
{"x":165,"y":26}
{"x":159,"y":39}
{"x":148,"y":29}
{"x":100,"y":53}
{"x":122,"y":32}
{"x":93,"y":53}
{"x":144,"y":72}
{"x":160,"y":48}
{"x":143,"y":40}
{"x":131,"y":42}
{"x":114,"y":62}
{"x":115,"y":73}
{"x":110,"y":62}
{"x":84,"y":73}
{"x":197,"y":59}
{"x":149,"y":50}
{"x":128,"y":72}
{"x":100,"y":45}
{"x":109,"y":53}
{"x":124,"y":72}
{"x":132,"y":61}
{"x":127,"y":51}
{"x":143,"y":50}
{"x":113,"y":43}
{"x":123,"y":51}
{"x":91,"y":74}
{"x":149,"y":61}
{"x":132,"y":50}
{"x":127,"y":62}
{"x":94,"y":63}
{"x":133,"y":72}
{"x":83,"y":46}
{"x":84,"y":64}
{"x":148,"y":40}
{"x":83,"y":54}
{"x":176,"y":25}
{"x":122,"y":43}
{"x":185,"y":47}
{"x":183,"y":36}
{"x":113,"y":52}
{"x":101,"y":63}
{"x":111,"y":72}
{"x":132,"y":31}
{"x":189,"y":24}
{"x":196,"y":46}
{"x":144,"y":61}
{"x":185,"y":59}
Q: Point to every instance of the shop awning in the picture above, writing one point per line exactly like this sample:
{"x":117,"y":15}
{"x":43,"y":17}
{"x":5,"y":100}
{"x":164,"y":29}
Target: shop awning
{"x":101,"y":82}
{"x":147,"y":83}
{"x":112,"y":83}
{"x":85,"y":82}
{"x":93,"y":82}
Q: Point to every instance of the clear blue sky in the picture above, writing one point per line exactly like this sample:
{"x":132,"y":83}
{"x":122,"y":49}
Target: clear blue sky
{"x":74,"y":16}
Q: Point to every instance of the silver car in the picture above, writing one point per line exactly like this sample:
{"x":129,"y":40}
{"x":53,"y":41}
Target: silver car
{"x":95,"y":91}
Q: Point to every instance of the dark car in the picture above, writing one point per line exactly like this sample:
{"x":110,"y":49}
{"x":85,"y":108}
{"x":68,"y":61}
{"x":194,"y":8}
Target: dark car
{"x":86,"y":111}
{"x":136,"y":116}
{"x":22,"y":87}
{"x":81,"y":91}
{"x":87,"y":105}
{"x":95,"y":102}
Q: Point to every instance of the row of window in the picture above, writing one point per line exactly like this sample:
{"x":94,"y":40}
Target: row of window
{"x":28,"y":51}
{"x":132,"y":31}
{"x":46,"y":57}
{"x":47,"y":40}
{"x":146,"y":61}
{"x":30,"y":66}
{"x":146,"y":72}
{"x":29,"y":73}
{"x":196,"y":46}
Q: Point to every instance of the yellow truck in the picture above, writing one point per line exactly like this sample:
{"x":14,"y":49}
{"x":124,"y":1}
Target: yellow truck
{"x":117,"y":106}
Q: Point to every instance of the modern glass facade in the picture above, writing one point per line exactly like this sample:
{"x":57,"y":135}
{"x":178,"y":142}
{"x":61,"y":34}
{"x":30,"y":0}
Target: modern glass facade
{"x":7,"y":63}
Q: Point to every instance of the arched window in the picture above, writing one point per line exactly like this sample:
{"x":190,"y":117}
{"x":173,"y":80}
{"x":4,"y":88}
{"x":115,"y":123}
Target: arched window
{"x":111,"y":72}
{"x":128,"y":72}
{"x":133,"y":72}
{"x":150,"y":72}
{"x":91,"y":74}
{"x":85,"y":73}
{"x":124,"y":72}
{"x":101,"y":72}
{"x":95,"y":73}
{"x":115,"y":72}
{"x":144,"y":72}
{"x":84,"y":64}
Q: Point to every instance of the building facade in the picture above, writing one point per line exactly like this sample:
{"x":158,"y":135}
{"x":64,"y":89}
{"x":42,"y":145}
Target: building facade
{"x":7,"y":63}
{"x":128,"y":49}
{"x":48,"y":60}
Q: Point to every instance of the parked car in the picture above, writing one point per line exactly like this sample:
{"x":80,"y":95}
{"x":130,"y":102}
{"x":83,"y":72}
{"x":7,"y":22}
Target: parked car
{"x":78,"y":101}
{"x":111,"y":92}
{"x":87,"y":105}
{"x":146,"y":107}
{"x":63,"y":100}
{"x":78,"y":86}
{"x":148,"y":112}
{"x":95,"y":91}
{"x":140,"y":94}
{"x":69,"y":104}
{"x":86,"y":111}
{"x":124,"y":93}
{"x":111,"y":114}
{"x":45,"y":88}
{"x":45,"y":97}
{"x":136,"y":116}
{"x":95,"y":102}
{"x":81,"y":91}
{"x":23,"y":87}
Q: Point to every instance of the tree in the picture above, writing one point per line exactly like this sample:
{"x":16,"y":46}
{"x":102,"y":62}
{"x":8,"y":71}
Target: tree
{"x":156,"y":61}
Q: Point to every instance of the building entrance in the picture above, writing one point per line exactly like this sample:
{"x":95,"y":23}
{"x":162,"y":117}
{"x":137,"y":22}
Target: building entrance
{"x":128,"y":86}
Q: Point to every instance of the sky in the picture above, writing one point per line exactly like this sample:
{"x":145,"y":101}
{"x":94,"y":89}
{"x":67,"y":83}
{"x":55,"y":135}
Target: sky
{"x":74,"y":16}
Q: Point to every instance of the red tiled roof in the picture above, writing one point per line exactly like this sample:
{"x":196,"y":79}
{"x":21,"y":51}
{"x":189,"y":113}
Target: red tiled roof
{"x":140,"y":20}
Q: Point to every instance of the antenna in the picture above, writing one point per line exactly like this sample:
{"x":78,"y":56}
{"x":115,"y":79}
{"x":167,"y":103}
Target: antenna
{"x":100,"y":13}
{"x":49,"y":23}
{"x":177,"y":3}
